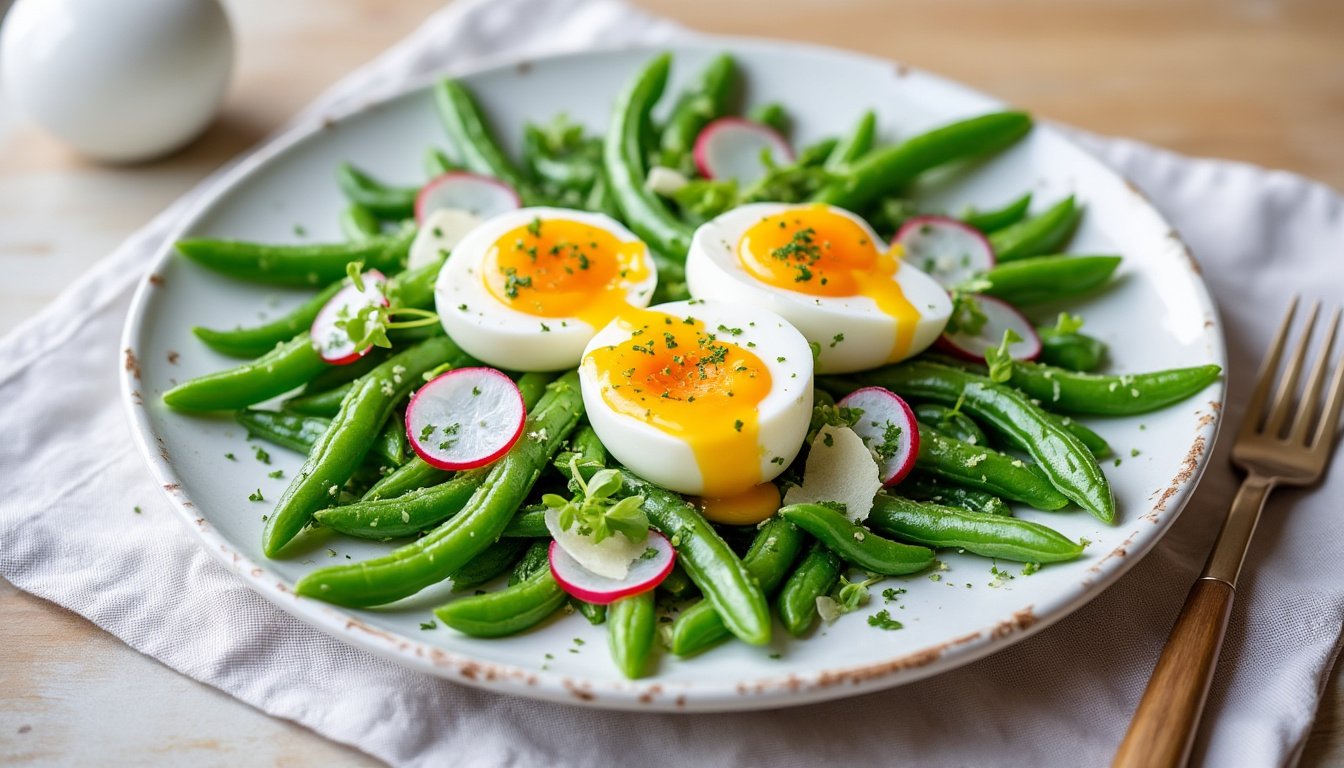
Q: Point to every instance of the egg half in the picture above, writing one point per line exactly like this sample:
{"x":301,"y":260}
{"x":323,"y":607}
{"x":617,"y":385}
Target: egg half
{"x":824,"y":270}
{"x":526,"y":290}
{"x":703,"y":398}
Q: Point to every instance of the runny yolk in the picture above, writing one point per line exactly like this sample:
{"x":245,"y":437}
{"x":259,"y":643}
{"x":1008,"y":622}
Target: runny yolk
{"x":693,"y":383}
{"x":817,"y":251}
{"x":746,"y":508}
{"x":564,"y":268}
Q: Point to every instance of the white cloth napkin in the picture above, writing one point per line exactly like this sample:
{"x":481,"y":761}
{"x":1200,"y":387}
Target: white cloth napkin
{"x":1063,"y":697}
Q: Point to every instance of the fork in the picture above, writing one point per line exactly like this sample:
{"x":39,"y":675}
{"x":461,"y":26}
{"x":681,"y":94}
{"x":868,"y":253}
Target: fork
{"x":1164,"y":725}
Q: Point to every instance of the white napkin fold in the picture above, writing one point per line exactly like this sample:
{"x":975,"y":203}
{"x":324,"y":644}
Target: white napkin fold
{"x":70,"y":482}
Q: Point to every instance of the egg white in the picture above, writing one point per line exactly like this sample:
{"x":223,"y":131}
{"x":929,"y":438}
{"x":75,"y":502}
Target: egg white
{"x":852,"y":332}
{"x":495,"y":333}
{"x":782,"y":415}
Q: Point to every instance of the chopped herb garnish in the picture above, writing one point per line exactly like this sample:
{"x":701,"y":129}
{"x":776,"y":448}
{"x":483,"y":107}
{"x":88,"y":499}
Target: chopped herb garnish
{"x":882,"y":620}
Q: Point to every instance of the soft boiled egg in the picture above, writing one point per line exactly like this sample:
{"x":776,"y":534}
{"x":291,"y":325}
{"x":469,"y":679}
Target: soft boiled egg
{"x":824,"y":270}
{"x":702,"y":398}
{"x":527,"y":289}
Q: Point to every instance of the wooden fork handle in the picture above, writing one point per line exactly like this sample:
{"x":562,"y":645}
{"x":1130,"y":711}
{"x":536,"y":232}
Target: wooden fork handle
{"x":1164,"y":726}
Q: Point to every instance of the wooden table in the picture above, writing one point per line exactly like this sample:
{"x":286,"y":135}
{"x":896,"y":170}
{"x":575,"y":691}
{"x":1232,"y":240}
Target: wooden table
{"x":1255,"y":80}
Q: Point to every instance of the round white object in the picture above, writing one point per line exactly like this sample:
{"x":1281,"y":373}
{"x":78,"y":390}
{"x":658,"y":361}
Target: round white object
{"x":118,"y":81}
{"x":679,"y":461}
{"x":851,"y":333}
{"x":499,"y":333}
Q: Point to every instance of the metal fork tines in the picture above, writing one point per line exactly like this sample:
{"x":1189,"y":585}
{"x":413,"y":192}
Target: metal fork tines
{"x":1271,"y":445}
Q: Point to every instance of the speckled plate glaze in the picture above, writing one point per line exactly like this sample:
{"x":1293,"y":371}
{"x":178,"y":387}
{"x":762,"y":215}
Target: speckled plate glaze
{"x":1157,"y":315}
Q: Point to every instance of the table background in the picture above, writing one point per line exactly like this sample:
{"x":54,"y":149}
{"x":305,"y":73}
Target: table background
{"x":1254,"y":80}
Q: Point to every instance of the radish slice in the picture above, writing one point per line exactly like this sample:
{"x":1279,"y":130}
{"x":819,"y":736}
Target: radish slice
{"x":950,"y":251}
{"x":888,"y":428}
{"x":465,"y":418}
{"x":333,"y":344}
{"x":731,"y":148}
{"x":1000,"y":316}
{"x":464,"y":191}
{"x":645,"y":573}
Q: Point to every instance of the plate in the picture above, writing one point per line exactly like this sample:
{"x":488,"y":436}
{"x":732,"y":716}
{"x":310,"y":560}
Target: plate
{"x":1157,"y":315}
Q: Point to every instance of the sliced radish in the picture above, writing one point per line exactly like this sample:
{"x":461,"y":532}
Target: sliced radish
{"x":999,"y":317}
{"x":888,"y":428}
{"x":645,"y":573}
{"x":950,"y":251}
{"x":465,"y":191}
{"x":732,"y":148}
{"x":465,"y":418}
{"x":333,"y":344}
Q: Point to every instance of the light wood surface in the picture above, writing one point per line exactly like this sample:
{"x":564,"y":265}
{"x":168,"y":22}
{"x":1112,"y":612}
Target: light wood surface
{"x":1256,"y":80}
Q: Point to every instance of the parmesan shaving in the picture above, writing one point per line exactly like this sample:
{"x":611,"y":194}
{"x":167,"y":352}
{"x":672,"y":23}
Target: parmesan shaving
{"x":840,"y":469}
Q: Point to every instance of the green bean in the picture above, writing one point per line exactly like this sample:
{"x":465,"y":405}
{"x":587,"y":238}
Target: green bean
{"x":923,"y":487}
{"x":855,"y":145}
{"x":403,"y":515}
{"x":492,"y":563}
{"x":951,"y":422}
{"x":342,"y":447}
{"x":1096,"y":444}
{"x":506,"y":612}
{"x":467,"y":130}
{"x":599,"y":199}
{"x":537,"y":558}
{"x":1068,"y":464}
{"x":941,"y":527}
{"x":432,"y":558}
{"x":298,"y":433}
{"x":1038,"y":235}
{"x":412,"y":288}
{"x":339,"y":375}
{"x":416,"y":472}
{"x":1071,"y":350}
{"x":623,"y":159}
{"x":359,"y":223}
{"x":772,"y":115}
{"x":814,"y":155}
{"x":995,"y":219}
{"x":1123,"y":395}
{"x":438,"y":163}
{"x":694,"y":109}
{"x":572,"y":168}
{"x":253,"y":342}
{"x":982,"y":468}
{"x":815,"y":576}
{"x":707,"y":559}
{"x":1046,"y":278}
{"x":772,"y":552}
{"x":324,"y":403}
{"x":855,"y":544}
{"x":595,"y":614}
{"x":275,"y":373}
{"x":384,"y":201}
{"x":885,"y":171}
{"x":297,"y":265}
{"x":529,"y":523}
{"x":677,"y":584}
{"x":630,"y":631}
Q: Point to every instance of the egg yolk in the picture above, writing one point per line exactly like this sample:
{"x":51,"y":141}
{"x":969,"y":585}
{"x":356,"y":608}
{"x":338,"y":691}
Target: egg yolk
{"x":563,"y":268}
{"x":693,"y":383}
{"x":747,"y":508}
{"x":819,"y":252}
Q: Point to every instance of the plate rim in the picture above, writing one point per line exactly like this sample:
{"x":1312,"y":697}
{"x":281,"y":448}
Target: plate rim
{"x":648,"y":694}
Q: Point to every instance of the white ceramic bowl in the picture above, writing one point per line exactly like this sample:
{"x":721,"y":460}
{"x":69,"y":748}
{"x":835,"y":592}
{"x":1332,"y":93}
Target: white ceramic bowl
{"x":1157,"y":315}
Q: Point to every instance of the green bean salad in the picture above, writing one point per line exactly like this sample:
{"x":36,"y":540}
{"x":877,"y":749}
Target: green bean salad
{"x":681,"y":363}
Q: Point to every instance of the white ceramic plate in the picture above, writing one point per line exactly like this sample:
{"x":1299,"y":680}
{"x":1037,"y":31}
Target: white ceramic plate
{"x":1157,"y":315}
